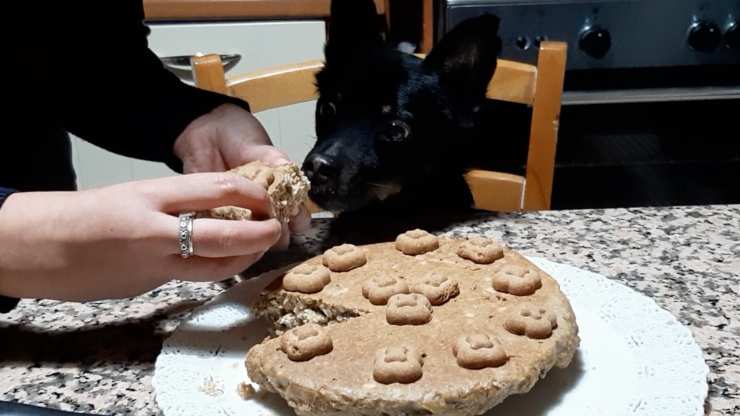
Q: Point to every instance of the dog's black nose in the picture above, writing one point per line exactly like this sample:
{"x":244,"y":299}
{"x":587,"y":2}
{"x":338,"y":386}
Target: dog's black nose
{"x":320,"y":168}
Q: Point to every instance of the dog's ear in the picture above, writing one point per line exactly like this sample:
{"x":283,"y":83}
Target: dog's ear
{"x":465,"y":58}
{"x":354,"y":26}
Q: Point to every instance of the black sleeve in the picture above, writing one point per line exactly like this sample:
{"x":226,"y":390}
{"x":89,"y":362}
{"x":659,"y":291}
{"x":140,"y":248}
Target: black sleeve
{"x":115,"y":92}
{"x":7,"y":304}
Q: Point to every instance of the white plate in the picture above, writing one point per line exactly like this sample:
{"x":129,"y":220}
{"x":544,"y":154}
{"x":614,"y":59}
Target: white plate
{"x":634,"y":358}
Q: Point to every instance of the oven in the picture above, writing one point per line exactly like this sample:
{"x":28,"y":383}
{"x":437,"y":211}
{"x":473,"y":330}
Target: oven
{"x":651,"y":97}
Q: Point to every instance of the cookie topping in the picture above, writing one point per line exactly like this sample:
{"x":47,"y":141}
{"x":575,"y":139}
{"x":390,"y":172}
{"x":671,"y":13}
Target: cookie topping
{"x":307,"y":278}
{"x":437,"y":287}
{"x":481,"y":250}
{"x":517,"y":280}
{"x":478,"y":351}
{"x":531,"y":320}
{"x":305,"y":342}
{"x":416,"y":242}
{"x":402,"y":364}
{"x":408,"y":309}
{"x":380,"y":288}
{"x":344,"y":258}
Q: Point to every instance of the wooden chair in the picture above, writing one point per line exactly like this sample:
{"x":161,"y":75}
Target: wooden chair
{"x":169,"y":10}
{"x":539,"y":86}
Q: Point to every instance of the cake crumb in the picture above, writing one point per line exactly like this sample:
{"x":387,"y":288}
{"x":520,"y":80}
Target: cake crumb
{"x":246,"y":391}
{"x":211,"y":387}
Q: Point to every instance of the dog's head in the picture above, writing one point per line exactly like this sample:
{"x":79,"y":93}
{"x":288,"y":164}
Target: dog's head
{"x":388,"y":120}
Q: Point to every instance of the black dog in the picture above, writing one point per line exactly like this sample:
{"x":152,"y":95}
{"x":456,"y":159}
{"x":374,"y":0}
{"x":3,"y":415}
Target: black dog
{"x":393,"y":126}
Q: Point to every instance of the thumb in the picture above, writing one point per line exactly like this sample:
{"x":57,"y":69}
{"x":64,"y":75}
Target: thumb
{"x":265,"y":153}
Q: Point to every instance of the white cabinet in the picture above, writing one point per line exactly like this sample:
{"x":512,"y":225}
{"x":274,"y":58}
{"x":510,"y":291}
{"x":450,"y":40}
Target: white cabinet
{"x":260,"y":44}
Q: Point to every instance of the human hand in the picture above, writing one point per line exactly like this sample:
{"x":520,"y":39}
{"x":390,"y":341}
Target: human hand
{"x":122,"y":240}
{"x":223,"y":139}
{"x":229,"y":137}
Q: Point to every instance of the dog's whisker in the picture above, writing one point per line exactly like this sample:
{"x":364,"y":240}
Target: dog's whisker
{"x":383,"y":185}
{"x":384,"y":190}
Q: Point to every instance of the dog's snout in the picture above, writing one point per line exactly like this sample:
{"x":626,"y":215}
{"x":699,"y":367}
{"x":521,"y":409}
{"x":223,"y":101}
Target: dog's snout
{"x":323,"y":172}
{"x":319,"y":163}
{"x":320,"y":167}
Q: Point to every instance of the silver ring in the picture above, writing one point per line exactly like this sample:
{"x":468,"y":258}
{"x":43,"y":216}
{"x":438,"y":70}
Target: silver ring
{"x":185,"y":234}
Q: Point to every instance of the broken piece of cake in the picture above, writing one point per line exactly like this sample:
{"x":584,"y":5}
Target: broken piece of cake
{"x":286,"y":185}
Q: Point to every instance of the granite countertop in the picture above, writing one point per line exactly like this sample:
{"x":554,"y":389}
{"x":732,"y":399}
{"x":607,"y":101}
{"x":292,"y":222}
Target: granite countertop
{"x":99,"y":357}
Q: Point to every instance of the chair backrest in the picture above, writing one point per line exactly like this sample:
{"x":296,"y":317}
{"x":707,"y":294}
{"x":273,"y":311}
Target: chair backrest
{"x":538,"y":86}
{"x":169,"y":10}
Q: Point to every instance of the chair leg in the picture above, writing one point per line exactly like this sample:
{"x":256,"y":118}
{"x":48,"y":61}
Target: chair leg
{"x":545,"y":123}
{"x":208,"y":73}
{"x":427,"y":26}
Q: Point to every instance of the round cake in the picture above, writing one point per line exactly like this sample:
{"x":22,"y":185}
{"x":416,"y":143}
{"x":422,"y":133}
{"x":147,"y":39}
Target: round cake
{"x":423,"y":325}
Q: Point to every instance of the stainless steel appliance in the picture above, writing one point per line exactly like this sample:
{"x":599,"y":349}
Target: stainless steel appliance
{"x":651,"y":100}
{"x":623,"y":50}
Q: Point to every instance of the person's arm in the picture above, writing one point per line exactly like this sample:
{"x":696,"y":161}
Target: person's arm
{"x":115,"y":92}
{"x":6,"y":304}
{"x":123,"y":240}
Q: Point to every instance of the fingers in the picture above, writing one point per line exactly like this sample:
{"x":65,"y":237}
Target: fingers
{"x":205,"y":159}
{"x":224,"y":238}
{"x":203,"y":191}
{"x":215,"y":238}
{"x":284,"y":242}
{"x":267,"y":154}
{"x":298,"y":224}
{"x":204,"y":269}
{"x":222,"y":248}
{"x":301,"y":222}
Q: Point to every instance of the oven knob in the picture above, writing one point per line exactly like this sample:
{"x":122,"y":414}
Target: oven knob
{"x":595,"y":41}
{"x":704,"y":36}
{"x":732,"y":36}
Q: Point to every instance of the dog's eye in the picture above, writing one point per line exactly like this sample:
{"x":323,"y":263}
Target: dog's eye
{"x":327,"y":109}
{"x":397,"y":131}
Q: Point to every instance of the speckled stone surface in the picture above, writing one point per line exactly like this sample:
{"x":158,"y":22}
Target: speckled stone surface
{"x":99,"y":357}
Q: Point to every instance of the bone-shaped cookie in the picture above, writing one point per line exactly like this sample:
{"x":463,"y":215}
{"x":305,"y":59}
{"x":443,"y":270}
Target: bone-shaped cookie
{"x":305,"y":342}
{"x":437,"y":287}
{"x":401,"y":364}
{"x":517,"y":280}
{"x":531,"y":320}
{"x":476,"y":351}
{"x":307,"y":278}
{"x":344,"y":258}
{"x":481,"y":250}
{"x":408,"y":309}
{"x":380,"y":288}
{"x":416,"y":242}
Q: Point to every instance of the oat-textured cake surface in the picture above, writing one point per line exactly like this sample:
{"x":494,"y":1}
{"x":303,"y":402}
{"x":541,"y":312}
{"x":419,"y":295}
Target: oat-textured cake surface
{"x":439,"y":332}
{"x":287,"y":187}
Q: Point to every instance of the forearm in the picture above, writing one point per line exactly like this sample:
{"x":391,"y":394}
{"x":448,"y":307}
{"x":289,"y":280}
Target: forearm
{"x":6,"y":303}
{"x":146,"y":125}
{"x":35,"y":243}
{"x":121,"y":241}
{"x":116,"y":92}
